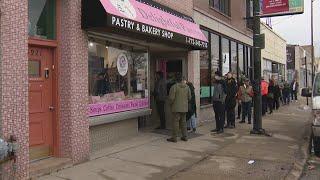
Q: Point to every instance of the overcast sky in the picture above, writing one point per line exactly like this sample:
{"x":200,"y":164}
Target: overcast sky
{"x":296,"y":29}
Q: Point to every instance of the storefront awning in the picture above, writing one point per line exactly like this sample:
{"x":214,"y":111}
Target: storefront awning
{"x":144,"y":18}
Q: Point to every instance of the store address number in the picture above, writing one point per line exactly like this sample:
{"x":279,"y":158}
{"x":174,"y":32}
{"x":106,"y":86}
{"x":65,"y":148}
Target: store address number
{"x":35,"y":52}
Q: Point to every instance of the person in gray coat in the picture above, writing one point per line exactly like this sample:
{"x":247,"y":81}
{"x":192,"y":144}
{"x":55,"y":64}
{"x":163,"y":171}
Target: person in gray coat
{"x":160,"y":94}
{"x":218,"y":101}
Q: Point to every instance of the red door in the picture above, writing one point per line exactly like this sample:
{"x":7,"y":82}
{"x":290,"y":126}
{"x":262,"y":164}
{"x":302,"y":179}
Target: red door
{"x":40,"y":102}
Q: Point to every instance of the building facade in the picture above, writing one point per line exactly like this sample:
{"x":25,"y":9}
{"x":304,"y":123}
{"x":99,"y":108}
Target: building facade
{"x":299,"y":65}
{"x":77,"y":76}
{"x":273,"y":56}
{"x":230,"y":45}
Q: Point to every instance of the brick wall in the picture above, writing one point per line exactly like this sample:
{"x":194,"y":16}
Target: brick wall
{"x":73,"y":84}
{"x":183,"y":6}
{"x":106,"y":135}
{"x":14,"y":82}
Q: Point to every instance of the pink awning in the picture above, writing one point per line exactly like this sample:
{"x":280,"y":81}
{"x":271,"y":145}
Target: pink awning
{"x":139,"y":17}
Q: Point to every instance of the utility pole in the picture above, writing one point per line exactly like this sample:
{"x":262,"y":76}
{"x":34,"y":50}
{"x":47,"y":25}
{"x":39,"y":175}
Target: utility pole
{"x":312,"y":46}
{"x":257,"y":121}
{"x":305,"y":61}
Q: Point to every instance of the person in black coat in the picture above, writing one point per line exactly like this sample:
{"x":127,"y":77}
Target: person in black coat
{"x":270,"y":96}
{"x":192,"y":109}
{"x":277,"y":95}
{"x":231,"y":100}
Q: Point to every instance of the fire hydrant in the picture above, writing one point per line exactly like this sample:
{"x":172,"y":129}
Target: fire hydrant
{"x":8,"y":149}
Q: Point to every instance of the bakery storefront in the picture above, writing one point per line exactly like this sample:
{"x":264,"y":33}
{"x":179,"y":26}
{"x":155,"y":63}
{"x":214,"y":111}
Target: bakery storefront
{"x":128,"y":42}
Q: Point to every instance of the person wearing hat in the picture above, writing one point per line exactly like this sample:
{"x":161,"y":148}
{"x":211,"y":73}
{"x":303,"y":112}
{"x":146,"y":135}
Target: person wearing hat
{"x":231,"y":100}
{"x":179,"y":97}
{"x":245,"y":95}
{"x":218,"y":101}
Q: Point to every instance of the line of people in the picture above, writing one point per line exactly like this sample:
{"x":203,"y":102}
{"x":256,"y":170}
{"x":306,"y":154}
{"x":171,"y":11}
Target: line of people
{"x":227,"y":93}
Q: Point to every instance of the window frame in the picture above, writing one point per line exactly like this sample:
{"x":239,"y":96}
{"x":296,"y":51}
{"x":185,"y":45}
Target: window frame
{"x":222,"y":6}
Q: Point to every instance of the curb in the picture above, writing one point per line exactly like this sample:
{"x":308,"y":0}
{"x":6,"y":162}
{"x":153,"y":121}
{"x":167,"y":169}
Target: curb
{"x":299,"y":164}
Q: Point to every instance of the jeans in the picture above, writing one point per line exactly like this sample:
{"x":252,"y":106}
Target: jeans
{"x":231,"y":117}
{"x":286,"y":98}
{"x":276,"y":103}
{"x":246,"y":111}
{"x":160,"y":109}
{"x":270,"y":104}
{"x":219,"y":111}
{"x":294,"y":95}
{"x":264,"y":104}
{"x":192,"y":122}
{"x":239,"y":110}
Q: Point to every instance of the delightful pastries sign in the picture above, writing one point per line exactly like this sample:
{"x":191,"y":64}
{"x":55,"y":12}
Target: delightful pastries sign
{"x":136,"y":16}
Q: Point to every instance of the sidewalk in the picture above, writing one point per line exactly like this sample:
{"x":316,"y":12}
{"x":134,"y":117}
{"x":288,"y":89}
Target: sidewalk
{"x":206,"y":155}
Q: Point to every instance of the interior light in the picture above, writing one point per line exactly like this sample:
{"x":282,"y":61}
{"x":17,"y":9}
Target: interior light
{"x":91,"y":44}
{"x":107,"y":47}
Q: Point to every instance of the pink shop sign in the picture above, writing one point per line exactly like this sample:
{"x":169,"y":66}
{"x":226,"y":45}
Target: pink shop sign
{"x":139,"y":17}
{"x":117,"y":106}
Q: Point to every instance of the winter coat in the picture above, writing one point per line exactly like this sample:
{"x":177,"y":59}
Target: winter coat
{"x":277,"y":92}
{"x":264,"y":88}
{"x":192,"y":109}
{"x":179,"y":97}
{"x":232,"y":90}
{"x":271,"y":91}
{"x":219,"y":91}
{"x":160,"y":90}
{"x":246,"y":93}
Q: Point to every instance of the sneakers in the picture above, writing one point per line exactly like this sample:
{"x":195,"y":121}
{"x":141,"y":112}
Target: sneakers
{"x":249,"y":122}
{"x":184,"y":139}
{"x":172,"y":140}
{"x":220,"y":131}
{"x":214,"y":130}
{"x":194,"y":129}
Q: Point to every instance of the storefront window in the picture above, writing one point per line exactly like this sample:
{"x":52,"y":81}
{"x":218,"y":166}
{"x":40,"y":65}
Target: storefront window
{"x":215,"y":53}
{"x":225,"y":56}
{"x":42,"y":19}
{"x":241,"y":59}
{"x":118,"y":78}
{"x":205,"y":84}
{"x":234,"y":57}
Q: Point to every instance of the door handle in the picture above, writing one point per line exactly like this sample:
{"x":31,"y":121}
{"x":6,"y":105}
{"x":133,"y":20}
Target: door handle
{"x":51,"y":108}
{"x":46,"y":73}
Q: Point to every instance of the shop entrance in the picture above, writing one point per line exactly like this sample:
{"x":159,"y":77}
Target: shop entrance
{"x":170,"y":69}
{"x":40,"y":102}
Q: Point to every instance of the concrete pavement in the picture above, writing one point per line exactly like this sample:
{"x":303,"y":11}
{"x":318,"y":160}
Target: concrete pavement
{"x":206,"y":155}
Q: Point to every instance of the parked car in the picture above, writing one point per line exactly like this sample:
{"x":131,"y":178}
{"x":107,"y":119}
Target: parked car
{"x":314,"y":93}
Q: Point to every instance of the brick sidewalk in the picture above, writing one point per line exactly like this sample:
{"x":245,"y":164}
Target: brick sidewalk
{"x":206,"y":155}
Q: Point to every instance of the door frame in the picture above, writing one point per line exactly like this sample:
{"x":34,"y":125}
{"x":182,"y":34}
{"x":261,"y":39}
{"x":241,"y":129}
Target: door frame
{"x":55,"y":91}
{"x":54,"y":45}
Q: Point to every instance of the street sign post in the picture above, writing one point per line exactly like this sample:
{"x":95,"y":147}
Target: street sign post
{"x":266,"y":8}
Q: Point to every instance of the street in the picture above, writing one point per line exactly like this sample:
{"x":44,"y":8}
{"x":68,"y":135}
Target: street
{"x":233,"y":155}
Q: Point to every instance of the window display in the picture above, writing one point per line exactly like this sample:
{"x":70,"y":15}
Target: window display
{"x":118,"y":78}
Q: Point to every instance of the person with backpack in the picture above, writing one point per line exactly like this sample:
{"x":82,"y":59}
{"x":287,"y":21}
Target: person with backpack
{"x":218,"y":101}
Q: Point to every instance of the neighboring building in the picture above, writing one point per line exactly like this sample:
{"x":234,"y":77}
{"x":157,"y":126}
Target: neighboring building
{"x":296,"y":68}
{"x":273,"y":56}
{"x":303,"y":74}
{"x":230,"y":45}
{"x":77,"y":76}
